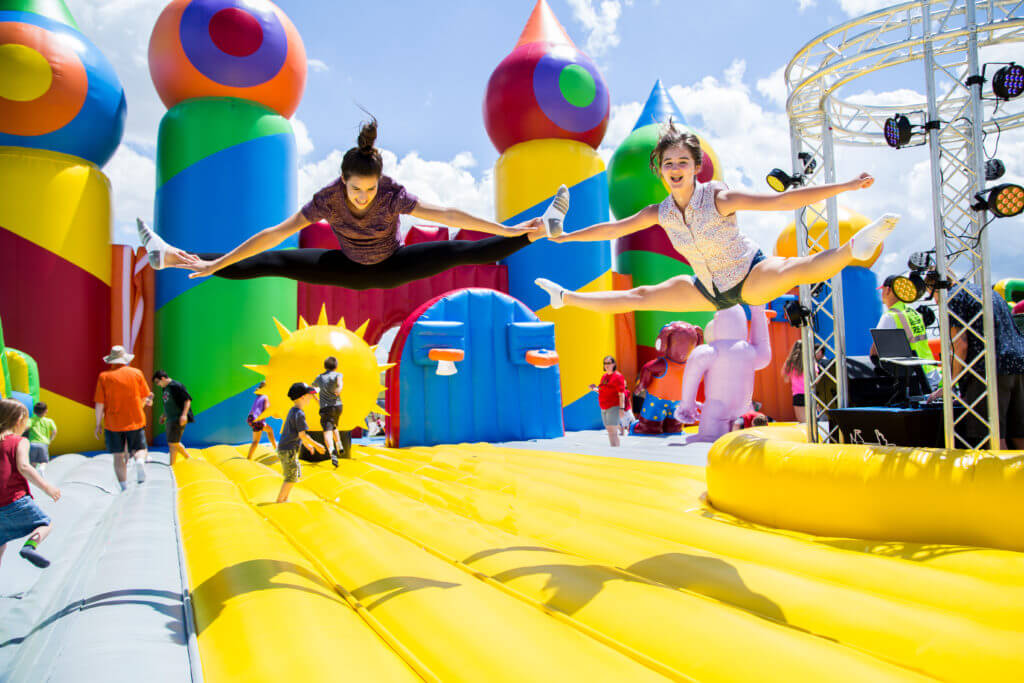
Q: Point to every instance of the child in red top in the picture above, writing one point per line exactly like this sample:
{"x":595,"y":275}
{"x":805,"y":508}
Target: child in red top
{"x":611,"y":394}
{"x":19,"y":514}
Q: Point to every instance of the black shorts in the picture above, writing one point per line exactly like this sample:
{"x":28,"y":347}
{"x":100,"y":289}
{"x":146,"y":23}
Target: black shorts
{"x":732,"y":296}
{"x":174,"y":431}
{"x":135,"y":440}
{"x":329,"y":416}
{"x":799,"y":401}
{"x":257,"y":426}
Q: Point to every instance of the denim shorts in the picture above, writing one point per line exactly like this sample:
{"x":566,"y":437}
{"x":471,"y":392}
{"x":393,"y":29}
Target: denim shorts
{"x":38,"y":453}
{"x":732,"y":296}
{"x":21,"y":518}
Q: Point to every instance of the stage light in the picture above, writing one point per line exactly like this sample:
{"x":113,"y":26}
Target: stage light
{"x":780,"y":181}
{"x":1008,"y":82}
{"x":897,"y":131}
{"x":1004,"y":201}
{"x":908,"y":288}
{"x":796,"y":313}
{"x":994,"y":169}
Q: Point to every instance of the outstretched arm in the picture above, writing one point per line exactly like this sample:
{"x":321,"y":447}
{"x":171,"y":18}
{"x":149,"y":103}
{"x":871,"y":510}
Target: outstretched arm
{"x":759,"y":337}
{"x":265,"y":239}
{"x":731,"y":201}
{"x":600,"y":232}
{"x":457,"y":218}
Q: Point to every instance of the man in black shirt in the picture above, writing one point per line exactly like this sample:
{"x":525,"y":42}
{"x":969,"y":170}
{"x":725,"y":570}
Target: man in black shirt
{"x":177,"y":412}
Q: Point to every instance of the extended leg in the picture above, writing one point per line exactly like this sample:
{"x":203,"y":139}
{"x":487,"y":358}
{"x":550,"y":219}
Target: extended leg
{"x":775,"y":276}
{"x":675,"y":294}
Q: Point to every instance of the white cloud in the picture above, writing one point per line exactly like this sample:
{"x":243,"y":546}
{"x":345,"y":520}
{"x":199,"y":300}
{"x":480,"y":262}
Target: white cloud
{"x":773,"y":86}
{"x":803,"y":5}
{"x":303,"y":141}
{"x":620,"y":124}
{"x":601,"y":22}
{"x":317,"y":65}
{"x":132,"y":180}
{"x":856,"y":8}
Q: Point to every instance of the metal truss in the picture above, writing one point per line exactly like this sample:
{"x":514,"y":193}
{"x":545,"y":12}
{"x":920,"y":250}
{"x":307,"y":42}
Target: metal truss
{"x":943,"y":37}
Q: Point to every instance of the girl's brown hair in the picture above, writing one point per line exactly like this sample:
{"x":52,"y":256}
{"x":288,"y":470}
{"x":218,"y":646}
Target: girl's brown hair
{"x":670,"y":137}
{"x":11,"y":414}
{"x":795,"y":359}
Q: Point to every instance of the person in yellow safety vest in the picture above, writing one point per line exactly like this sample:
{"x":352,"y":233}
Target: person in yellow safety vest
{"x":899,"y":316}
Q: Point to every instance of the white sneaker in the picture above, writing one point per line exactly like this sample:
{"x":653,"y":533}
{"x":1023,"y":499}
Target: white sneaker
{"x":155,"y":247}
{"x":864,"y":243}
{"x":554,"y":290}
{"x":554,"y":215}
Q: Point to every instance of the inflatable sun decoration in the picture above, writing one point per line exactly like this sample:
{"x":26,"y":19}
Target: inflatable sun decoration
{"x":300,"y":357}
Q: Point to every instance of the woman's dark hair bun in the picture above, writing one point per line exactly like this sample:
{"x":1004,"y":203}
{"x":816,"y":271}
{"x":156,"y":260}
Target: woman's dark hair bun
{"x":364,"y":159}
{"x":367,"y":136}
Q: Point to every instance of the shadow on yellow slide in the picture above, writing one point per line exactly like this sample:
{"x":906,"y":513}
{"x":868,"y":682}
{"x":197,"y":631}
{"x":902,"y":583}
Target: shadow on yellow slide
{"x":475,"y":562}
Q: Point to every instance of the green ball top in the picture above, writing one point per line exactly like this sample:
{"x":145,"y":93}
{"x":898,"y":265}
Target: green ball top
{"x":577,"y":85}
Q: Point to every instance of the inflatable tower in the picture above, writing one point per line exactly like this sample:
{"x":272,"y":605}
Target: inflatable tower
{"x":648,"y":256}
{"x":62,"y":112}
{"x":546,"y":110}
{"x":231,"y":72}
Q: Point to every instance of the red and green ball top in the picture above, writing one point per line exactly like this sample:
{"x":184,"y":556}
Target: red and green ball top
{"x":247,"y":49}
{"x":545,"y":88}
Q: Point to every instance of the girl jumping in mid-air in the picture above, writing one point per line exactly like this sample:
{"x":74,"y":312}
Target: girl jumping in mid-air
{"x":700,"y":219}
{"x":362,"y":207}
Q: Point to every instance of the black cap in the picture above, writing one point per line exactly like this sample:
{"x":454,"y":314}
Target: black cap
{"x":888,"y":282}
{"x":299,"y":389}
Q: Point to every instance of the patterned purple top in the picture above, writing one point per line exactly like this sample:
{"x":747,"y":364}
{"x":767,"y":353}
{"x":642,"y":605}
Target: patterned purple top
{"x":258,"y":406}
{"x":366,"y":239}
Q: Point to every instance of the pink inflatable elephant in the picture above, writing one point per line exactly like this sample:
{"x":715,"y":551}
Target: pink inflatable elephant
{"x":726,"y":362}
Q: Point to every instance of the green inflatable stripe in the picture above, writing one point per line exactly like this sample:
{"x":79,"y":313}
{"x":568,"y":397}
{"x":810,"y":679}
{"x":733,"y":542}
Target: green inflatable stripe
{"x":648,"y":268}
{"x":195,"y":129}
{"x":51,"y":9}
{"x":3,"y":366}
{"x":226,"y":322}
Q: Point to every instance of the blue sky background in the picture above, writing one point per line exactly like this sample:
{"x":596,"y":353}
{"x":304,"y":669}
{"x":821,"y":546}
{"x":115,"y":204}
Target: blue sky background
{"x":422,"y":68}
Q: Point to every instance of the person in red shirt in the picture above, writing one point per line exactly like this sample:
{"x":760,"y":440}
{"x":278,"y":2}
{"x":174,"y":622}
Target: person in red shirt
{"x":122,"y":396}
{"x":749,"y":419}
{"x":19,"y":514}
{"x":611,"y":395}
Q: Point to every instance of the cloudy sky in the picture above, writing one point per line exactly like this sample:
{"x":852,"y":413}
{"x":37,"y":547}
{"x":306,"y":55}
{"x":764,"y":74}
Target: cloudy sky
{"x":422,"y":67}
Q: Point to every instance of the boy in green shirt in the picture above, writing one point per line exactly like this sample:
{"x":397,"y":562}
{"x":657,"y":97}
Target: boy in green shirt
{"x":41,"y":432}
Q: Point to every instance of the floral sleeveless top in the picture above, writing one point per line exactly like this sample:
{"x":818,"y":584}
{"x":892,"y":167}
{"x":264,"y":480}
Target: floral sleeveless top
{"x":718,"y":252}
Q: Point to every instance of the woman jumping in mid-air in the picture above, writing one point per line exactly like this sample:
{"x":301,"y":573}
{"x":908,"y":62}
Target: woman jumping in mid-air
{"x":700,"y":219}
{"x":362,"y":207}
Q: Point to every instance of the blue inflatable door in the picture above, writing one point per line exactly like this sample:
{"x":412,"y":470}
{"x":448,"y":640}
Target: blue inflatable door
{"x":506,"y":382}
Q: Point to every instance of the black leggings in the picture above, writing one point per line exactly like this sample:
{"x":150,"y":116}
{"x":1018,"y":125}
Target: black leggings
{"x":407,"y":264}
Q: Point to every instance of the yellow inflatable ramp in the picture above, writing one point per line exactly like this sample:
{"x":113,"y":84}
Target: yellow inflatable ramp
{"x":474,"y":562}
{"x":263,"y":612}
